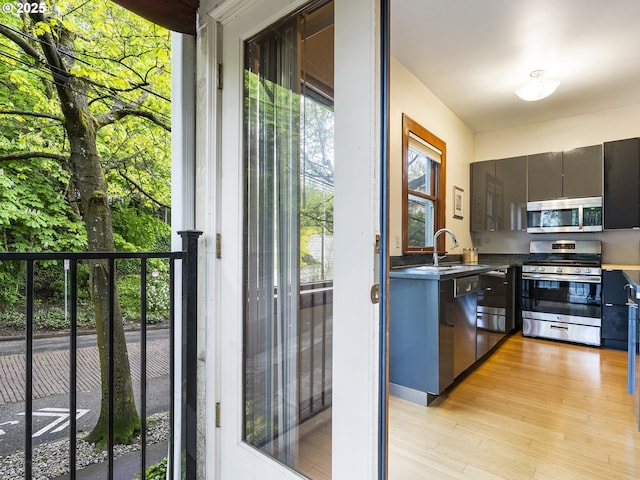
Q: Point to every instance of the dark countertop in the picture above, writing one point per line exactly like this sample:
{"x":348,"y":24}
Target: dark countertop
{"x":443,"y":271}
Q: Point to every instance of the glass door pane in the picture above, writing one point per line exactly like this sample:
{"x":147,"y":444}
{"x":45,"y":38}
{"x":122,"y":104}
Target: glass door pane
{"x":288,"y":238}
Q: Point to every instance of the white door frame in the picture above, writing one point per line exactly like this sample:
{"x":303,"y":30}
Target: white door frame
{"x":356,"y":319}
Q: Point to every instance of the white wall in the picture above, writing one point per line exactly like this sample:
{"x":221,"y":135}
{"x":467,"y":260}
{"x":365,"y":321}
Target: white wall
{"x":592,"y":129}
{"x":560,"y":134}
{"x":410,"y":96}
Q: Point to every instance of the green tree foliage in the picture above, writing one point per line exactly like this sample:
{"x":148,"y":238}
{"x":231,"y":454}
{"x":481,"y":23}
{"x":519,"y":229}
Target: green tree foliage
{"x":84,"y":132}
{"x":126,"y":61}
{"x":316,"y":192}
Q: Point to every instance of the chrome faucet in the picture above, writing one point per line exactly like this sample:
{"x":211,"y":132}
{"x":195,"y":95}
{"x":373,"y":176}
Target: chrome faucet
{"x":435,"y":245}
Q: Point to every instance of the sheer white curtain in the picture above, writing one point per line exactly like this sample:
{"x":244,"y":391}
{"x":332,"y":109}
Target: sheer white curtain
{"x":272,"y":133}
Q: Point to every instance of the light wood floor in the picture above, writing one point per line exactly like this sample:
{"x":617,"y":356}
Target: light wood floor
{"x":535,"y":410}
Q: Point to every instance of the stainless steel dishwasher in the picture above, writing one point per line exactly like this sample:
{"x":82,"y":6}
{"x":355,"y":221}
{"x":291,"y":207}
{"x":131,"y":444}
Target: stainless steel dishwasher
{"x":465,"y":291}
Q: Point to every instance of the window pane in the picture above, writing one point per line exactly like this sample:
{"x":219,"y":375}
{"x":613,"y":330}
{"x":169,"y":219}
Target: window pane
{"x":420,"y":218}
{"x":418,"y":172}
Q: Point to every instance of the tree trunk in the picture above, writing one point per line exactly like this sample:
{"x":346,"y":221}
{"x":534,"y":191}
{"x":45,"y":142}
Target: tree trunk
{"x":89,"y":180}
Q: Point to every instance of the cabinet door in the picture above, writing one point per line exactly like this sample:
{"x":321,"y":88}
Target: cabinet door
{"x":613,"y":292}
{"x":615,"y":327}
{"x":544,"y":176}
{"x":483,"y":177}
{"x":511,"y":193}
{"x":582,"y":172}
{"x":622,"y":184}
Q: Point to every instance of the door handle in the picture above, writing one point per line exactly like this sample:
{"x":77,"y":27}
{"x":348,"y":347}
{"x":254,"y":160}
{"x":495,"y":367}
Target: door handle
{"x":375,"y":294}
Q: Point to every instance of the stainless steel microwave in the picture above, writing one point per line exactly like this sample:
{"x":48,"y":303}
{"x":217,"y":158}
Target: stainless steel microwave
{"x":565,"y":215}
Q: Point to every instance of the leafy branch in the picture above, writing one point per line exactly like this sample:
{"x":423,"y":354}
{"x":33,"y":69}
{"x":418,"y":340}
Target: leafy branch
{"x":6,"y":157}
{"x":25,"y":113}
{"x":141,"y":190}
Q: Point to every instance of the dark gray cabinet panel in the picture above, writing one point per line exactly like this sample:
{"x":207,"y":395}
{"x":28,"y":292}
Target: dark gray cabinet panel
{"x":498,"y":194}
{"x":615,"y":313}
{"x":511,"y":193}
{"x":622,"y":184}
{"x":544,"y":176}
{"x":573,"y":173}
{"x":582,"y":172}
{"x":615,"y":326}
{"x":483,"y":176}
{"x":613,"y":291}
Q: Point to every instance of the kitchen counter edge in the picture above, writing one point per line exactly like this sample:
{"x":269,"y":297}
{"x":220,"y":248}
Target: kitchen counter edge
{"x":416,"y":273}
{"x":633,"y":276}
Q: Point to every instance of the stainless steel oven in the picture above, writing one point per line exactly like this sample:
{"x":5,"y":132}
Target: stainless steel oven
{"x":562,"y":291}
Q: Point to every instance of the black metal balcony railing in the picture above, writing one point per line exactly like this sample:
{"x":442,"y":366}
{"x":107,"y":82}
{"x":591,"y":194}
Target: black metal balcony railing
{"x":314,"y":350}
{"x":315,"y":346}
{"x":187,"y":321}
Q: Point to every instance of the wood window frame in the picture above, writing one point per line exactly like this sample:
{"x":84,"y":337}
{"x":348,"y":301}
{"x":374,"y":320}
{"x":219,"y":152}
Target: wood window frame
{"x":410,"y":126}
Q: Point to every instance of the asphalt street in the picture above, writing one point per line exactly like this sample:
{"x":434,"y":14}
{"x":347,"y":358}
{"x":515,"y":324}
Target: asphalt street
{"x":51,"y":385}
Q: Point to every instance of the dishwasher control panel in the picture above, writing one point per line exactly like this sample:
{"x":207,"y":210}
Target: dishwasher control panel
{"x":466,"y":285}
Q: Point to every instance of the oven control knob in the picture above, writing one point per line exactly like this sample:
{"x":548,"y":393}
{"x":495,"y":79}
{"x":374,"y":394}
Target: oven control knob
{"x":579,"y":270}
{"x":541,"y":269}
{"x":587,"y":270}
{"x":559,"y":270}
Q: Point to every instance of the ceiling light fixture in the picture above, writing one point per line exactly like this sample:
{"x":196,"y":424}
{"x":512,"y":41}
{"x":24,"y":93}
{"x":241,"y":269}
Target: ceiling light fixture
{"x":537,"y":87}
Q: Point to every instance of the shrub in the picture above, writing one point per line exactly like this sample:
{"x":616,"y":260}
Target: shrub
{"x":158,"y":298}
{"x":157,"y":471}
{"x":48,"y":318}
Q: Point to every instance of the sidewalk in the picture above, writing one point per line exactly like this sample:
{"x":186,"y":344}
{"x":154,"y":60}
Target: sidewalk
{"x":125,"y":467}
{"x":51,"y":369}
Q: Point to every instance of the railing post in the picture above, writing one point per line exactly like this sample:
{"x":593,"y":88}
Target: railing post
{"x":189,"y":351}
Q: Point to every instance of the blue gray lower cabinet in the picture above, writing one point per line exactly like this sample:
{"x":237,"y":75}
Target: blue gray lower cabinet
{"x":420,"y":338}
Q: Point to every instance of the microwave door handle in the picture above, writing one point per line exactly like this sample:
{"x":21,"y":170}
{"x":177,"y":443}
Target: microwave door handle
{"x":580,"y":217}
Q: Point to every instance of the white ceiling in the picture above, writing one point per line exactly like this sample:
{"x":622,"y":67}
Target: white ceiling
{"x":472,"y":54}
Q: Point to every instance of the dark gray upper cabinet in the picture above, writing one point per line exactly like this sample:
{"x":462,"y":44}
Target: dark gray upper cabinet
{"x":483,"y":176}
{"x":622,"y":184}
{"x":498,"y":194}
{"x":544,"y":176}
{"x":573,"y":173}
{"x":511,"y":175}
{"x":582,"y":172}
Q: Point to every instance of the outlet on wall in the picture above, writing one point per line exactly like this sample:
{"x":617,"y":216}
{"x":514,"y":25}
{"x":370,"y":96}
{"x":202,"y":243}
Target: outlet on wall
{"x":397,"y":241}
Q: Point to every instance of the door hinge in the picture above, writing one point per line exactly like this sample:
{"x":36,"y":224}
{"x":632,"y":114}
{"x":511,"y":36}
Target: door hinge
{"x":218,"y":415}
{"x":218,"y":245}
{"x":219,"y":76}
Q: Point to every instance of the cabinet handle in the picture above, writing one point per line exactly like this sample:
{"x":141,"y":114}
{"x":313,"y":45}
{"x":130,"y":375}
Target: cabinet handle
{"x":557,"y":327}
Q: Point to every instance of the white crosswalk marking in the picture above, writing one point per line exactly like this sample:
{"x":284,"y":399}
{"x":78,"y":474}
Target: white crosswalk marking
{"x":10,"y":422}
{"x":62,"y":414}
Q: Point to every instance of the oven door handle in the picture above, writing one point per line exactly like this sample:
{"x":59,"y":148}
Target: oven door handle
{"x":562,"y":278}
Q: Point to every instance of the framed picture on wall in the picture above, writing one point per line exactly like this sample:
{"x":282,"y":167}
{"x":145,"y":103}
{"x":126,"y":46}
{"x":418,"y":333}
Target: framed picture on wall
{"x":458,"y":202}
